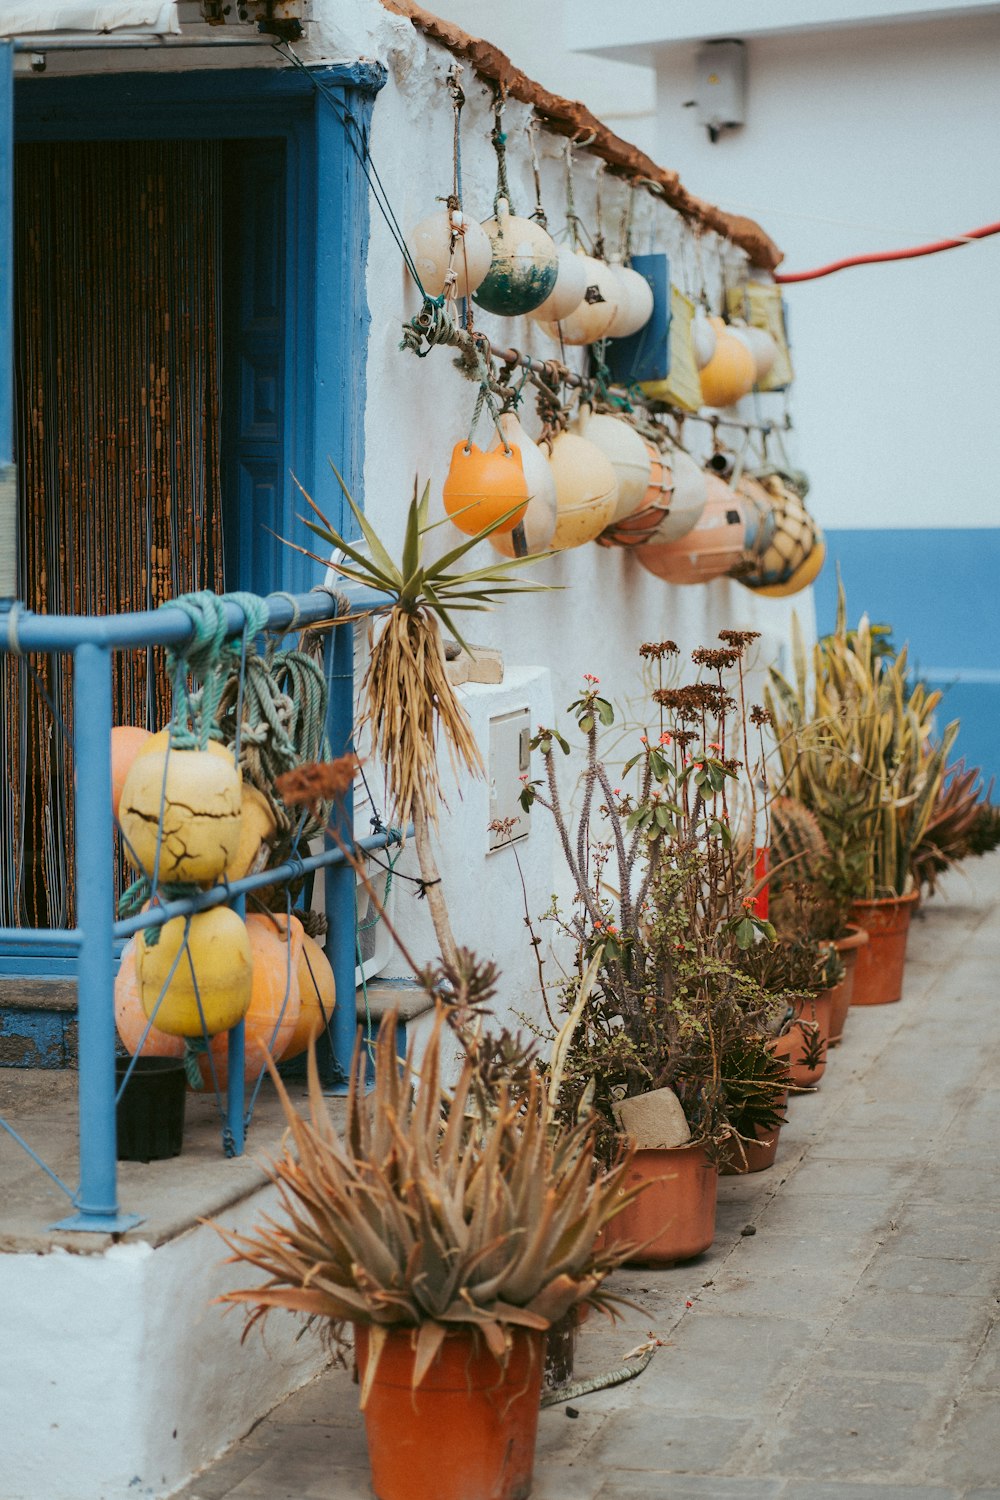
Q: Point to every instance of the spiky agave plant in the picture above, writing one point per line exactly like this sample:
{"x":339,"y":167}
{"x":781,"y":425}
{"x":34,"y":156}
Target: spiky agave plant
{"x":424,"y":1216}
{"x":407,"y":696}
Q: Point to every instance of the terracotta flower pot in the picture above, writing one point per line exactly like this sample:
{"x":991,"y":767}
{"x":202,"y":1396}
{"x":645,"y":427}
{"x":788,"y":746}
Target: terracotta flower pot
{"x":753,"y":1156}
{"x":795,"y":1046}
{"x":847,"y":947}
{"x":878,"y":976}
{"x":467,"y":1432}
{"x":674,"y":1217}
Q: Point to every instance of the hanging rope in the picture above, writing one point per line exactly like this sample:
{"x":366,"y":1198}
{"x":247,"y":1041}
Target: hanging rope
{"x":499,"y":140}
{"x":538,"y":212}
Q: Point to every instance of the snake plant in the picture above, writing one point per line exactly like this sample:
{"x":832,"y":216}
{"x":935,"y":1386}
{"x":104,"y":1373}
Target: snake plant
{"x":856,"y":748}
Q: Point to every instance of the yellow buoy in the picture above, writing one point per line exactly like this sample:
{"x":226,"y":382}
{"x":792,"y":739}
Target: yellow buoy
{"x":625,"y":450}
{"x":730,"y":373}
{"x":586,"y":490}
{"x":258,"y":827}
{"x":197,"y":794}
{"x":210,"y":982}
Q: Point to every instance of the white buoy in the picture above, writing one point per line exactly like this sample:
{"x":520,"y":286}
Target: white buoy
{"x":430,"y":246}
{"x":592,"y":317}
{"x":635,"y":304}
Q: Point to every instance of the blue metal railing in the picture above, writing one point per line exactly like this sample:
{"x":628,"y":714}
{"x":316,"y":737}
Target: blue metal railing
{"x":91,"y":641}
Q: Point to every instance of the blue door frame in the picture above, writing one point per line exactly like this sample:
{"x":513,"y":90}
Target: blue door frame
{"x":321,"y":117}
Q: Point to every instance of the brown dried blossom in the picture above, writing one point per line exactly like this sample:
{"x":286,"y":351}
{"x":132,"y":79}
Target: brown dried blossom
{"x":718,"y":659}
{"x":657,"y":649}
{"x":740,"y":639}
{"x":322,"y":781}
{"x":759,"y":716}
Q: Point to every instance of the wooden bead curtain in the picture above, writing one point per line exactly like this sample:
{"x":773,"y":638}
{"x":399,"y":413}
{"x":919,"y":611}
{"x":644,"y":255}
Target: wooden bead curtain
{"x":118,"y":298}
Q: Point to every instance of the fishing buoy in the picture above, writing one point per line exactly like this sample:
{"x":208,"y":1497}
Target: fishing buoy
{"x":567,"y":294}
{"x":209,"y":982}
{"x":687,"y":498}
{"x":126,"y":742}
{"x":592,"y":316}
{"x":730,"y":373}
{"x":131,"y":1020}
{"x":482,"y":487}
{"x":711,"y":549}
{"x":635,"y":302}
{"x":703,"y":338}
{"x":791,"y":556}
{"x":318,"y":997}
{"x":586,"y":490}
{"x":430,"y":246}
{"x":762,"y":346}
{"x":275,"y":1002}
{"x":626,"y":451}
{"x":182,"y":807}
{"x":523,"y":267}
{"x":635,"y":529}
{"x":534,"y":531}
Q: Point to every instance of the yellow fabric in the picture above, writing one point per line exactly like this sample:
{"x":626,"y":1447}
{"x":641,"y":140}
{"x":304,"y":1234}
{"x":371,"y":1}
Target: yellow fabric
{"x":681,"y":387}
{"x":759,"y":304}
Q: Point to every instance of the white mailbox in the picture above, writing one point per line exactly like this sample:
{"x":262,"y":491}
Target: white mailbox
{"x":509,"y":760}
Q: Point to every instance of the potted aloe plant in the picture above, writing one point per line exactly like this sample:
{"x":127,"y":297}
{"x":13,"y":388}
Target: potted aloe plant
{"x":670,"y":1039}
{"x":449,"y":1227}
{"x":860,"y":737}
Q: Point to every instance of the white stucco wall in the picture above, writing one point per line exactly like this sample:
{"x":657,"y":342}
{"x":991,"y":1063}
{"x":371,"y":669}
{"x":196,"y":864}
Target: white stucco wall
{"x":605,"y":605}
{"x":858,"y":139}
{"x":121,"y":1377}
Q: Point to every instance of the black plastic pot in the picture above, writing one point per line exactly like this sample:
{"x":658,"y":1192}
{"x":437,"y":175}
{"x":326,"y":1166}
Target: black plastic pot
{"x":150,"y":1115}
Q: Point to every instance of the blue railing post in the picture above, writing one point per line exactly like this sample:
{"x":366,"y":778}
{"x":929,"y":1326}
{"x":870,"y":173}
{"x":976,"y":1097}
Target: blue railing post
{"x":97,"y":1199}
{"x":340,"y":882}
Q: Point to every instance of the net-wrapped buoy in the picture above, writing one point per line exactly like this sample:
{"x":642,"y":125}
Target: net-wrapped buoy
{"x":593,"y":315}
{"x":430,"y":246}
{"x":711,"y":549}
{"x":523,"y":267}
{"x":730,"y":373}
{"x":687,"y":498}
{"x":567,"y":294}
{"x":481,"y":487}
{"x":586,"y":490}
{"x":534,"y":531}
{"x":635,"y":529}
{"x":635,"y":302}
{"x":760,"y":523}
{"x":792,"y":556}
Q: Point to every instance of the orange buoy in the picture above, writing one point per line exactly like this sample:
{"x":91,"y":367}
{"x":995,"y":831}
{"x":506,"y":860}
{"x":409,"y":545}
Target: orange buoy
{"x":131,"y":1019}
{"x":712,"y":547}
{"x":638,"y":527}
{"x":126,"y":742}
{"x":275,"y":998}
{"x":482,"y":487}
{"x":318,"y":994}
{"x":730,"y":373}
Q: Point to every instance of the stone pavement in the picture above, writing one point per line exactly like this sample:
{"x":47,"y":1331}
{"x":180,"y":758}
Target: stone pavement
{"x":847,"y":1349}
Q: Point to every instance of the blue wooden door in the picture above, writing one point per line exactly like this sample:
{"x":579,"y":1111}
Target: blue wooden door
{"x":253,"y":426}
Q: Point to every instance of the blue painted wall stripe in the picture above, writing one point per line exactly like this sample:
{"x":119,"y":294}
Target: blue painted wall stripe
{"x":938,"y":589}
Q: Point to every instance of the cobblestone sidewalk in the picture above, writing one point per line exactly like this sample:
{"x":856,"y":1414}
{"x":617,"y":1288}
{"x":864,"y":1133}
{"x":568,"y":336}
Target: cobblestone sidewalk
{"x":848,"y":1348}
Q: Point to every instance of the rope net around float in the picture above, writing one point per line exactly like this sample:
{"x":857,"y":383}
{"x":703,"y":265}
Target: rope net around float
{"x":199,"y":808}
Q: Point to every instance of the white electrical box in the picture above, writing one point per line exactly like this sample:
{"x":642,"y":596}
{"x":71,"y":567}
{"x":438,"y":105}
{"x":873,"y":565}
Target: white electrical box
{"x":510,"y":759}
{"x":720,"y":86}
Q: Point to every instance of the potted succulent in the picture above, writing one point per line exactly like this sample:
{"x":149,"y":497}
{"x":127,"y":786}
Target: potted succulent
{"x":449,"y":1228}
{"x":811,"y":894}
{"x":671,"y":1027}
{"x":864,"y":729}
